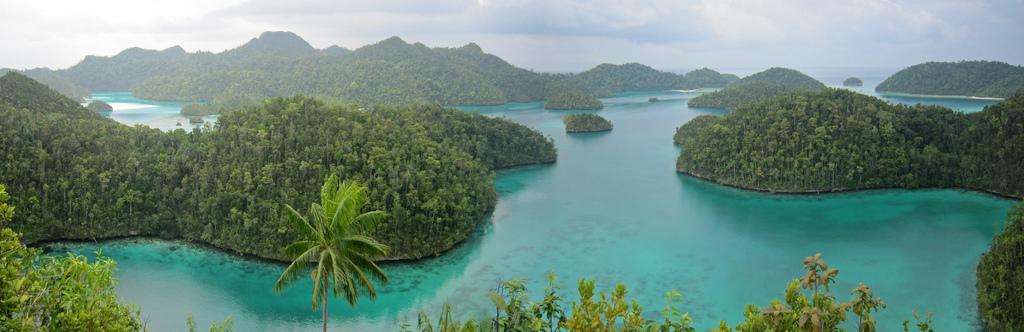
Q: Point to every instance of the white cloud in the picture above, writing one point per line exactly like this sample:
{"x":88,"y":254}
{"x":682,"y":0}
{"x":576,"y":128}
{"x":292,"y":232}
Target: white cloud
{"x":541,"y":34}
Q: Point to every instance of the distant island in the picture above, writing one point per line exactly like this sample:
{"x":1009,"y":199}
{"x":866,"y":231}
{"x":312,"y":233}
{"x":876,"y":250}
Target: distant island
{"x":195,"y":119}
{"x":391,"y":71}
{"x":573,"y":100}
{"x":839,"y":140}
{"x":772,"y":82}
{"x":853,"y":81}
{"x":585,"y":123}
{"x":991,"y":79}
{"x":99,"y":106}
{"x":653,"y":100}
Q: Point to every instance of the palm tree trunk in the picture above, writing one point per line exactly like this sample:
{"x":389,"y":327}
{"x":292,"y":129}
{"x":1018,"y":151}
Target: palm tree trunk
{"x":325,"y":307}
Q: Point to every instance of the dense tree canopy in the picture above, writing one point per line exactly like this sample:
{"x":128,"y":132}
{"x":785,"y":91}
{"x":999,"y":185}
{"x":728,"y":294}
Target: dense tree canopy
{"x":766,"y":84}
{"x":964,"y":78}
{"x":1001,"y":276}
{"x":838,"y":140}
{"x":573,"y":100}
{"x":582,"y":123}
{"x":77,"y":175}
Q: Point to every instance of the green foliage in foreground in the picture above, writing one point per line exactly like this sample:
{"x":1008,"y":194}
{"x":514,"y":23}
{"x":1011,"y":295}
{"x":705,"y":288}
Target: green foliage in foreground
{"x":573,"y":100}
{"x":808,"y":305}
{"x":584,"y":122}
{"x":763,"y":85}
{"x":964,"y":78}
{"x":334,"y":237}
{"x":853,"y":81}
{"x":1001,"y":277}
{"x":56,"y":293}
{"x":78,"y":175}
{"x":99,"y":106}
{"x":838,"y":140}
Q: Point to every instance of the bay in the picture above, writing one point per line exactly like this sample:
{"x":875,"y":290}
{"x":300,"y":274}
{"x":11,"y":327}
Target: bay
{"x":613,"y":208}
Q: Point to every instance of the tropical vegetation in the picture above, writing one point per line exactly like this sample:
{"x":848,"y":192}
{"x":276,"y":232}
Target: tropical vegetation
{"x":584,"y":122}
{"x":963,"y":78}
{"x":766,"y":84}
{"x":78,"y":175}
{"x":808,"y":304}
{"x":334,"y":237}
{"x":573,"y":100}
{"x":54,"y":292}
{"x":1001,"y":277}
{"x":837,"y":140}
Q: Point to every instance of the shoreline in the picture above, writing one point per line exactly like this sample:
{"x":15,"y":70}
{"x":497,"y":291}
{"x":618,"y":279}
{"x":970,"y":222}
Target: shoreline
{"x":842,"y":191}
{"x":915,"y":95}
{"x":254,"y":257}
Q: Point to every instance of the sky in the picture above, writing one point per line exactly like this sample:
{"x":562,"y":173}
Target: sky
{"x":544,"y":35}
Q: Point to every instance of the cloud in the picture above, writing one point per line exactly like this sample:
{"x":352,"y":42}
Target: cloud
{"x":552,"y":35}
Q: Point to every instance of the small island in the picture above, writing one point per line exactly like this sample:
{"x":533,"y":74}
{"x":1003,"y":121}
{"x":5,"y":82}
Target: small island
{"x":853,"y":81}
{"x":195,"y":119}
{"x":653,"y":100}
{"x":573,"y":100}
{"x":191,"y":110}
{"x":586,"y":123}
{"x":99,"y":106}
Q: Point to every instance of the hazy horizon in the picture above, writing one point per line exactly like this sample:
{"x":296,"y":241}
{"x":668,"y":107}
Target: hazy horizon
{"x":548,"y":36}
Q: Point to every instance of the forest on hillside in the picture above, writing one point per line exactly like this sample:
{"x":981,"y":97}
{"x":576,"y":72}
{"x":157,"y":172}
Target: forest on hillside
{"x":76,"y":175}
{"x":964,"y":78}
{"x":391,"y":71}
{"x":837,"y":140}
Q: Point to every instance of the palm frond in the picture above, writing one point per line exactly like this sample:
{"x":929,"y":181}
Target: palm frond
{"x":298,"y":265}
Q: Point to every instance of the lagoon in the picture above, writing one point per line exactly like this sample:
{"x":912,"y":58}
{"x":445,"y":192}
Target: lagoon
{"x":613,"y":207}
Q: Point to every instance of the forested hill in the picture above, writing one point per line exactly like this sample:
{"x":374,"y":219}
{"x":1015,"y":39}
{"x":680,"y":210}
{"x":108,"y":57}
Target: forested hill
{"x":964,"y":78}
{"x":606,"y":79}
{"x":76,"y":175}
{"x":836,"y":140}
{"x":391,"y":71}
{"x":19,"y":91}
{"x":769,"y":83}
{"x":55,"y":81}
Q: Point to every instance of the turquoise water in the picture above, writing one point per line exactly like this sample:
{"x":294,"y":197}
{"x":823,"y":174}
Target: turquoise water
{"x":614,"y":208}
{"x":134,"y":111}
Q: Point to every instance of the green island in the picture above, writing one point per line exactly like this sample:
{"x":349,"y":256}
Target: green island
{"x":99,"y":106}
{"x":772,"y":82}
{"x":991,"y":79}
{"x":853,"y":81}
{"x":839,"y":140}
{"x":430,"y":167}
{"x":391,"y":71}
{"x":585,"y":123}
{"x":573,"y":100}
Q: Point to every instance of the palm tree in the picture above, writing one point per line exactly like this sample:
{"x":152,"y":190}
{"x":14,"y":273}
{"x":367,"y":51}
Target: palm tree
{"x":334,"y":244}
